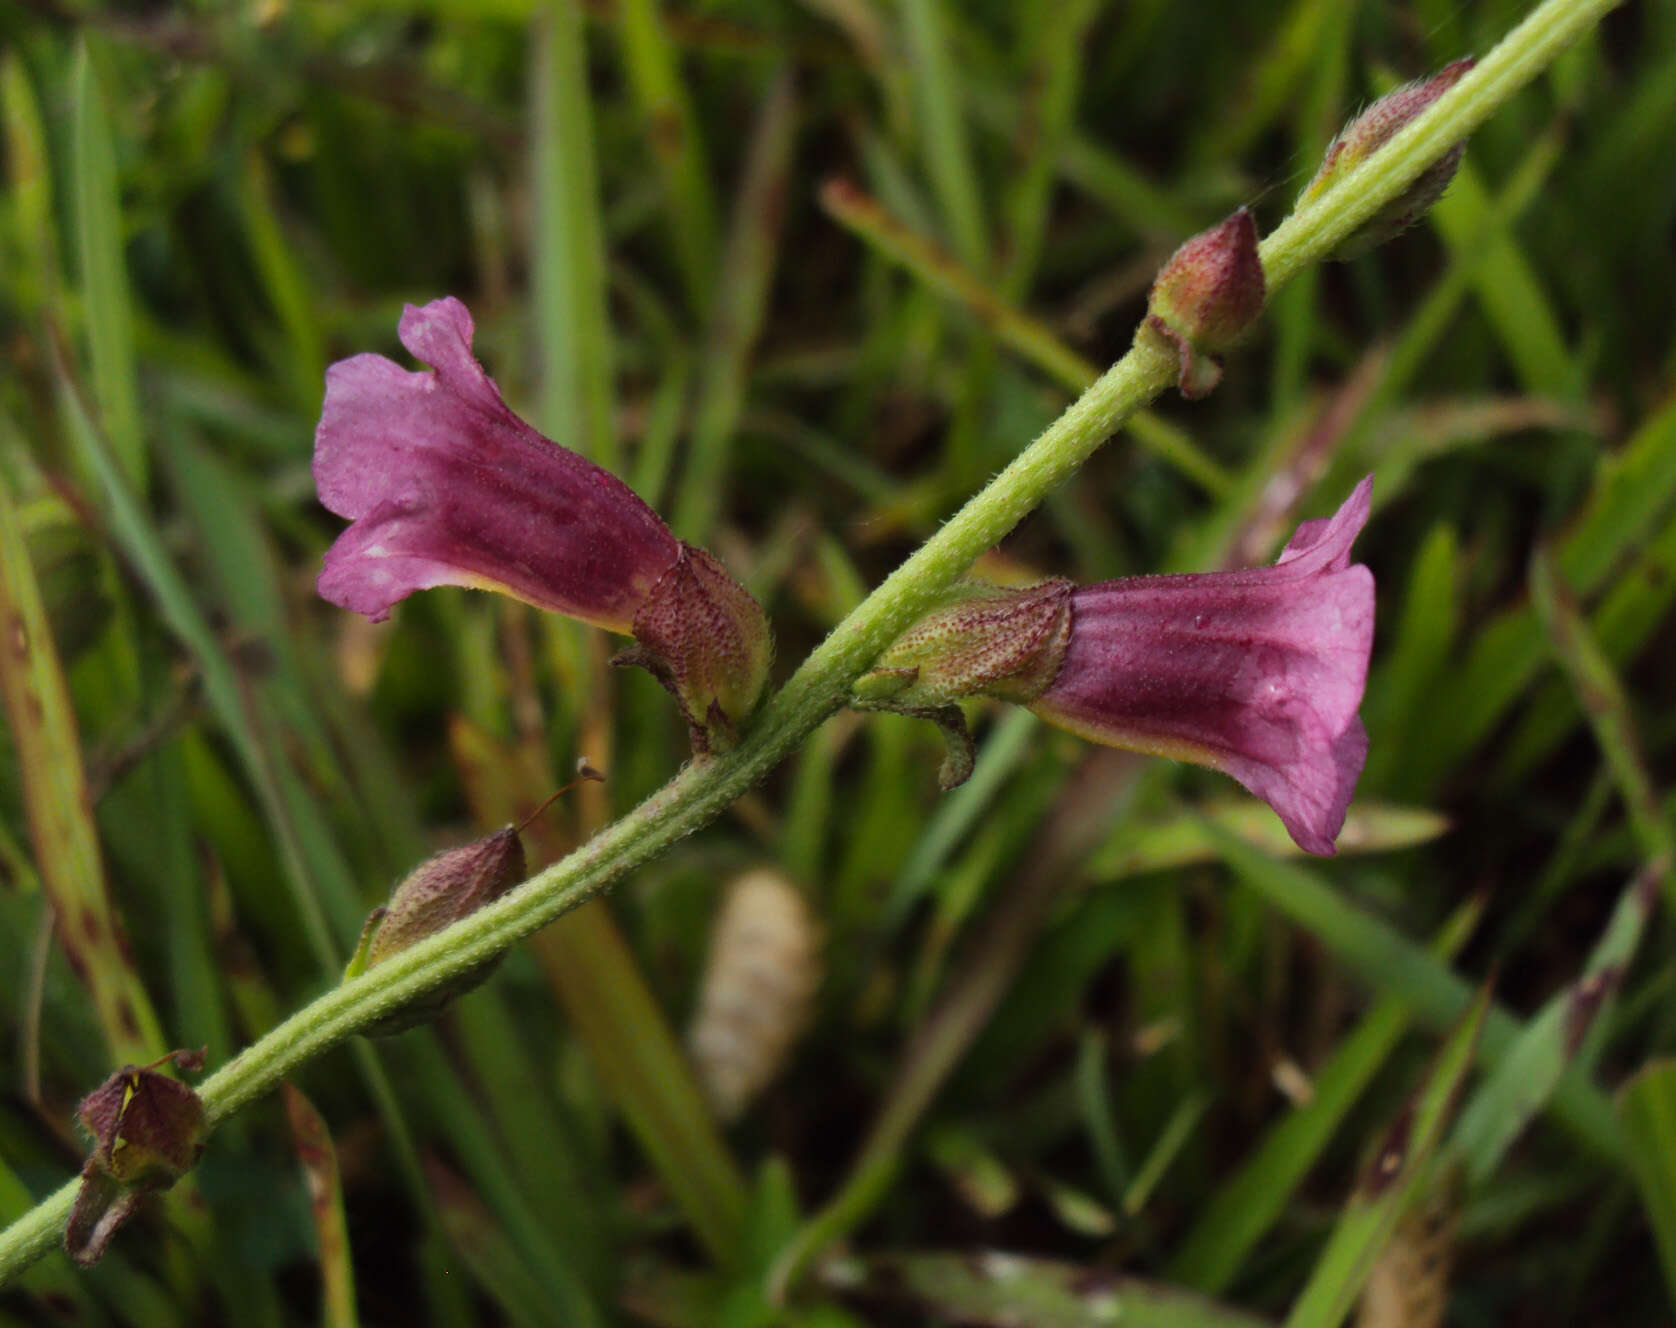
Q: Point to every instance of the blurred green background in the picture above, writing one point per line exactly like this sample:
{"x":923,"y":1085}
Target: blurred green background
{"x":1089,"y":1011}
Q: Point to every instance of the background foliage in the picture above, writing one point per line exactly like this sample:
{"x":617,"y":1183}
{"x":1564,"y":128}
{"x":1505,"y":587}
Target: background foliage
{"x":1087,"y":1009}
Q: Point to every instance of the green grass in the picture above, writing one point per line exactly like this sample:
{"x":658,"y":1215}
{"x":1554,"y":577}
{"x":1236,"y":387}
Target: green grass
{"x":1086,"y":1011}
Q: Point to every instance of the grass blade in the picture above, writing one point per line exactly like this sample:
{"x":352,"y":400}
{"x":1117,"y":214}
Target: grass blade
{"x":672,"y":128}
{"x":998,"y":1289}
{"x":574,"y":329}
{"x":1181,"y":840}
{"x":1056,"y":39}
{"x":1647,"y":1115}
{"x":747,"y":273}
{"x":1508,"y":1099}
{"x":104,"y":275}
{"x":61,"y":829}
{"x":607,"y":1002}
{"x":29,"y":169}
{"x":1249,"y":1203}
{"x":1607,"y":707}
{"x":313,"y":1143}
{"x":1389,"y":962}
{"x":1394,"y":1176}
{"x":942,"y":126}
{"x":1031,"y":340}
{"x":1507,"y":288}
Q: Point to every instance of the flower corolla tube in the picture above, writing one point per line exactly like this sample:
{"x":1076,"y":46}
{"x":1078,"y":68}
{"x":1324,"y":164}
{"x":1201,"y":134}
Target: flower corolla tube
{"x":444,"y":485}
{"x":1258,"y":673}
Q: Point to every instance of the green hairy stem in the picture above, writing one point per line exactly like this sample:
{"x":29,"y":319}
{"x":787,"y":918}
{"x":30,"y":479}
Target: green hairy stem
{"x":820,"y":686}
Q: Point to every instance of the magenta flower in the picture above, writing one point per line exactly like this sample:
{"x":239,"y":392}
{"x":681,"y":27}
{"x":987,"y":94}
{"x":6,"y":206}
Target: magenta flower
{"x":444,"y":485}
{"x":1258,"y":673}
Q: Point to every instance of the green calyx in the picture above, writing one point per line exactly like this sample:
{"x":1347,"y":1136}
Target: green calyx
{"x":706,"y":640}
{"x":986,"y":641}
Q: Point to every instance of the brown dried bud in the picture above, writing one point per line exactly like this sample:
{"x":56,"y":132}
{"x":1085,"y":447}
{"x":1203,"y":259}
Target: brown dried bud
{"x":1369,"y":132}
{"x":147,"y":1131}
{"x":436,"y":894}
{"x":706,"y":640}
{"x":1206,"y":297}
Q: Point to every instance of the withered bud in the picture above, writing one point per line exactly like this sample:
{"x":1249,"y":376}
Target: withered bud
{"x":990,"y":641}
{"x":1369,"y":132}
{"x":702,"y":635}
{"x":436,"y":894}
{"x":1206,"y":297}
{"x":147,"y":1131}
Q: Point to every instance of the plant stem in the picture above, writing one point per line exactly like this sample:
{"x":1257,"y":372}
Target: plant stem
{"x":707,"y":786}
{"x":695,"y":796}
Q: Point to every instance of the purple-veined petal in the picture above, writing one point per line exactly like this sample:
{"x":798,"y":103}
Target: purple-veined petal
{"x":1324,"y":544}
{"x":445,"y":485}
{"x":1258,"y":673}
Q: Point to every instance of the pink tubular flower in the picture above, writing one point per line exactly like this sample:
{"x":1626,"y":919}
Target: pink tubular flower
{"x":1257,"y":673}
{"x":444,"y":485}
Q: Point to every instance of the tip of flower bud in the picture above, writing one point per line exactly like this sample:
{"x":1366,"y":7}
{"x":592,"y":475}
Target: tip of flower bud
{"x":1370,"y":131}
{"x":1206,"y":297}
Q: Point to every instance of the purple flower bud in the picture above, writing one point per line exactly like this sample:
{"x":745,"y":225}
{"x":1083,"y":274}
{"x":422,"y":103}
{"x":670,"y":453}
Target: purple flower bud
{"x":1257,"y":673}
{"x":445,"y":888}
{"x":434,"y":895}
{"x":147,"y":1131}
{"x":446,"y":486}
{"x":1369,"y":132}
{"x":705,"y":639}
{"x":1205,"y":298}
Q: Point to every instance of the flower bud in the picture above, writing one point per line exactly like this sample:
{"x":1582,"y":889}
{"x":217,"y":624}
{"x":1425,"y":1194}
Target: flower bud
{"x":706,"y":640}
{"x":147,"y":1131}
{"x":1205,"y":298}
{"x":1369,"y":132}
{"x":436,"y":894}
